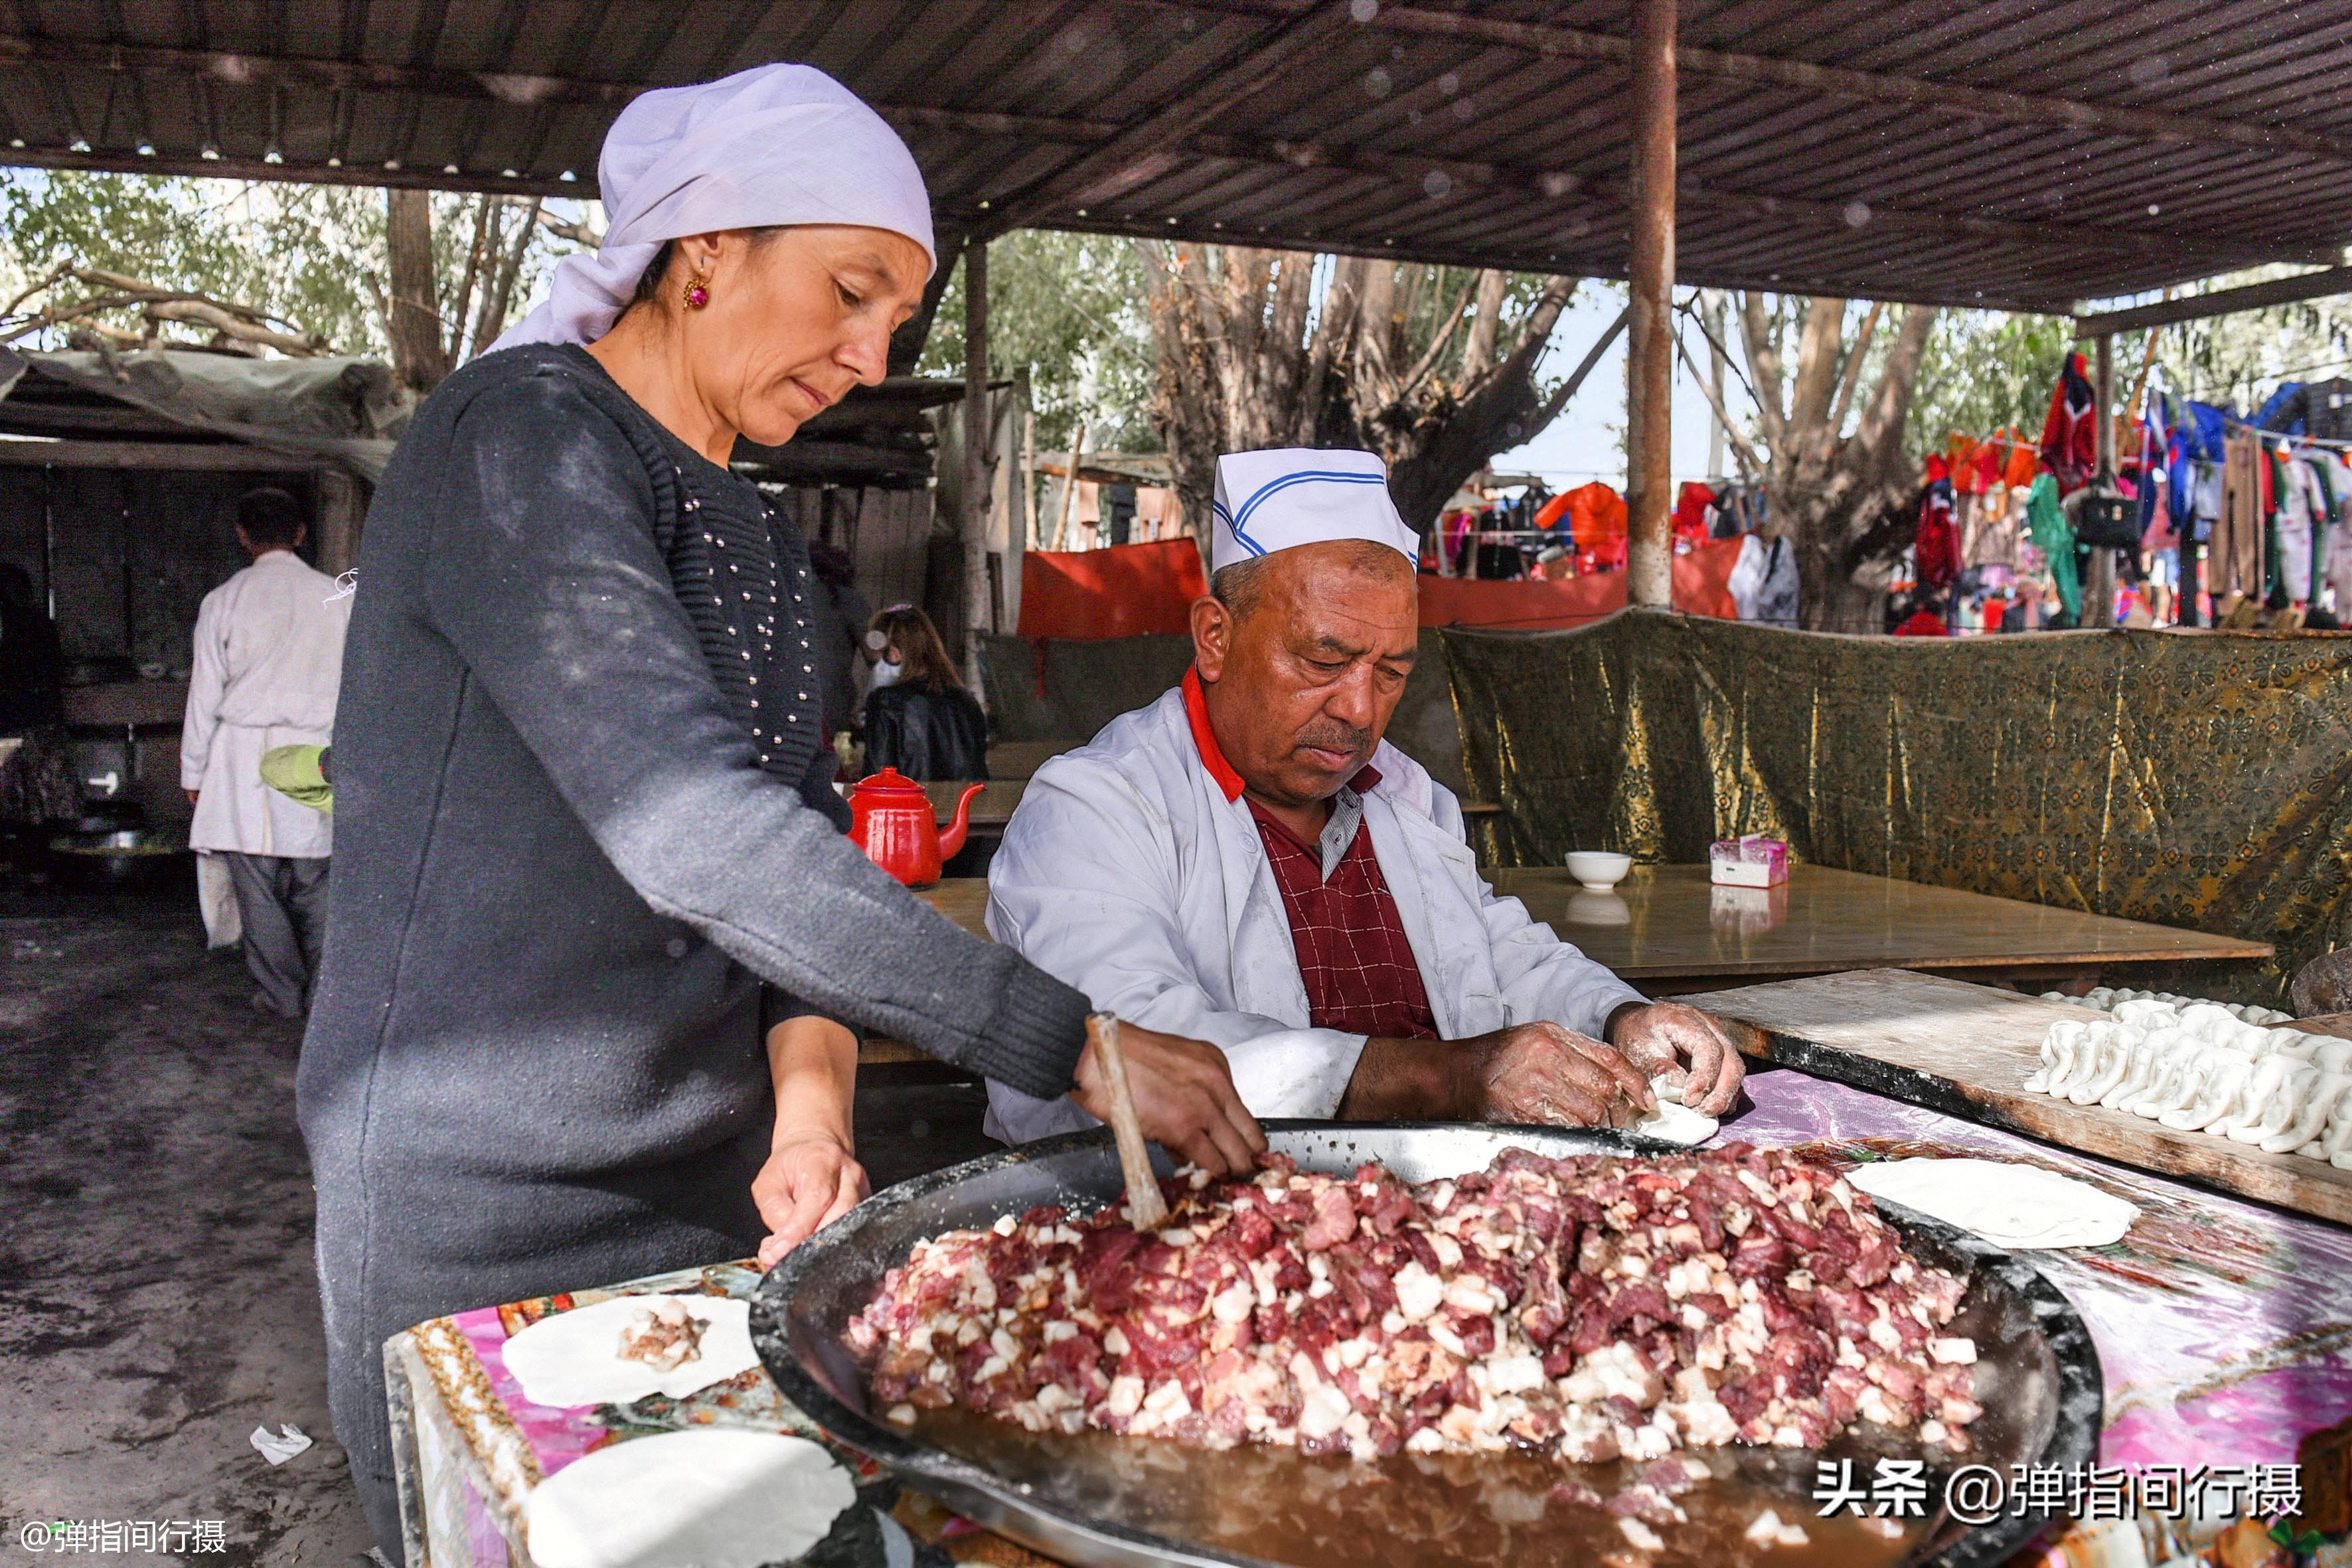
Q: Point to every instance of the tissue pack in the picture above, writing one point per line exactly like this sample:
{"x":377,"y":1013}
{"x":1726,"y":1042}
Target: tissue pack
{"x":1753,"y":861}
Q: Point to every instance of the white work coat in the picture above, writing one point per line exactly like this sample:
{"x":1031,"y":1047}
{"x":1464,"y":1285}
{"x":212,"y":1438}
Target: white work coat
{"x":269,"y":658}
{"x":1127,"y":873}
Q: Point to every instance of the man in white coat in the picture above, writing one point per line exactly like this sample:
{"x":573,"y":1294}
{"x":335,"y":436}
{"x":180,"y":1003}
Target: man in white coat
{"x":269,"y":657}
{"x":1246,"y":861}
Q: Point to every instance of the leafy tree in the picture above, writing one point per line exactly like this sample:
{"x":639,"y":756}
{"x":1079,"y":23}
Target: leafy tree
{"x":1070,"y":309}
{"x":313,"y":257}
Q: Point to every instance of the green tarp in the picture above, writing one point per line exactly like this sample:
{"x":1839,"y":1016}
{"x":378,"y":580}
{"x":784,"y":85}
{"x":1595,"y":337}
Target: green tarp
{"x":2194,"y":779}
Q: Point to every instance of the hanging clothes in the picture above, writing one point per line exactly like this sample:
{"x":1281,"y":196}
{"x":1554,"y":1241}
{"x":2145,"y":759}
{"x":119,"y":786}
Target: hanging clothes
{"x":1691,"y":509}
{"x":1936,"y":556}
{"x":2296,"y":525}
{"x":2235,"y":565}
{"x":2069,"y":433}
{"x":2055,"y":539}
{"x":1776,"y":599}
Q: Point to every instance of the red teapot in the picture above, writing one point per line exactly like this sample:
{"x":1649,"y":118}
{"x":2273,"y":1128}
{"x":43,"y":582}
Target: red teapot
{"x":891,"y":819}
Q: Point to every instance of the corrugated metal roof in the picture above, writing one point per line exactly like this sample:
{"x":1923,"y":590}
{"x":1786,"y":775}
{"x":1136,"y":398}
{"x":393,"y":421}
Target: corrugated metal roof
{"x":2019,"y":153}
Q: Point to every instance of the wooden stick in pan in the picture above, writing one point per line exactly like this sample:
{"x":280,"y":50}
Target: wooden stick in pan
{"x":1146,"y":1210}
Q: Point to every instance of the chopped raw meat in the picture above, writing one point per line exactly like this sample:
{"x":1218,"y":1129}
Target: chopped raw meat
{"x":1591,"y":1307}
{"x":663,"y":1334}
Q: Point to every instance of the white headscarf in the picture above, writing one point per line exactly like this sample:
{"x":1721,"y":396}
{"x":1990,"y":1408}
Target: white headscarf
{"x":775,"y":144}
{"x":1274,"y":499}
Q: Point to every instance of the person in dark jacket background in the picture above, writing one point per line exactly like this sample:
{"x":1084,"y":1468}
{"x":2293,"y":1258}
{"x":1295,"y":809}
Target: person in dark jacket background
{"x":920,"y":718}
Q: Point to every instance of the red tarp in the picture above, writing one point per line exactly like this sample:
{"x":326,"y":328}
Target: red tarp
{"x":1129,"y":590}
{"x":1702,"y":587}
{"x":1120,"y":591}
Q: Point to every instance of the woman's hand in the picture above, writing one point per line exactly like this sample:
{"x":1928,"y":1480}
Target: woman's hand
{"x":1184,"y":1099}
{"x":807,"y":1183}
{"x":811,"y":1176}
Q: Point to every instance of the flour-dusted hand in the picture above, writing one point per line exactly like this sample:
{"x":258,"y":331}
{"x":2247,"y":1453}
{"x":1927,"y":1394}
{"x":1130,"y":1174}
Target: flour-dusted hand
{"x":807,"y":1183}
{"x":1184,"y":1099}
{"x":1549,"y":1074}
{"x":1682,"y":1045}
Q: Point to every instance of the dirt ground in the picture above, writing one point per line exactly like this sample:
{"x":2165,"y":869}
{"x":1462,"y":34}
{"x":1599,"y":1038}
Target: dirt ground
{"x":157,"y":1300}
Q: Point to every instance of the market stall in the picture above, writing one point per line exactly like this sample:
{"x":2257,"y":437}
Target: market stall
{"x":2215,"y":1321}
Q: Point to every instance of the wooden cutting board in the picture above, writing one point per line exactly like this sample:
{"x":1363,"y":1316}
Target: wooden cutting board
{"x":1966,"y":1050}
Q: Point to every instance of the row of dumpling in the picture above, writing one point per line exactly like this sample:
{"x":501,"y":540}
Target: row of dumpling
{"x":2198,"y":1068}
{"x":2106,"y":996}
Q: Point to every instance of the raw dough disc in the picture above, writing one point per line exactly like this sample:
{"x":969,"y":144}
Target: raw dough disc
{"x":573,"y":1358}
{"x":1673,"y":1121}
{"x":706,"y":1499}
{"x":2010,"y":1206}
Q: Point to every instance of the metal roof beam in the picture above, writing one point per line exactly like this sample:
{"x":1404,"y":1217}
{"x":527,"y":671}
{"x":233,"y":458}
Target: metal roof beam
{"x":1139,"y":150}
{"x":2198,"y":306}
{"x":1935,"y":96}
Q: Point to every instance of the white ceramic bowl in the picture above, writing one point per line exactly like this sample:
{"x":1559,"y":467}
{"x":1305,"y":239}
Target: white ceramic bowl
{"x":1597,"y":870}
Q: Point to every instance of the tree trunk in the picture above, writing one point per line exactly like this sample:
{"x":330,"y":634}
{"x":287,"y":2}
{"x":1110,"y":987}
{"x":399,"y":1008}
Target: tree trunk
{"x":1847,"y":505}
{"x":415,"y":323}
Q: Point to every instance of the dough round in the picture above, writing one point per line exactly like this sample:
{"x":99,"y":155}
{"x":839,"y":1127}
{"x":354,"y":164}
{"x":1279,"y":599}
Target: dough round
{"x":1673,"y":1121}
{"x":707,"y":1498}
{"x":2014,"y":1206}
{"x":573,"y":1358}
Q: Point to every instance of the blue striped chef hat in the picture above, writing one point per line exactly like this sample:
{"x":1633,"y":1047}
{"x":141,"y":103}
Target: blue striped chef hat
{"x":1295,"y":495}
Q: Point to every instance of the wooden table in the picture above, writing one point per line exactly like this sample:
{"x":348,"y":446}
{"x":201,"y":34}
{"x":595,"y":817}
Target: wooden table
{"x":1668,"y":931}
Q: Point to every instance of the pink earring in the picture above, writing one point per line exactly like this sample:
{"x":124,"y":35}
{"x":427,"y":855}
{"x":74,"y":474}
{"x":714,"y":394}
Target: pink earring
{"x":697,"y":292}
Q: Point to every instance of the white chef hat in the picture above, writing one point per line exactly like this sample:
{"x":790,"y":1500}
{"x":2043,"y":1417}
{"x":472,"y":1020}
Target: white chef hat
{"x":1296,"y":495}
{"x":775,"y":144}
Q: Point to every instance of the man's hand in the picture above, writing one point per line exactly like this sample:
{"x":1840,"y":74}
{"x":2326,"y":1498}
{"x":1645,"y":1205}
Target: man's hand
{"x":192,"y":795}
{"x":1665,"y":1039}
{"x":1547,"y":1075}
{"x":809,"y":1180}
{"x":1184,"y":1099}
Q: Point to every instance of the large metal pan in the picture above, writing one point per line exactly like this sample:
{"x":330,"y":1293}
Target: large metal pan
{"x":1140,"y":1504}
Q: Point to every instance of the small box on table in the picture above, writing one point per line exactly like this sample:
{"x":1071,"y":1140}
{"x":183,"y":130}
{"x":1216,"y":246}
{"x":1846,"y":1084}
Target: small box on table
{"x":1753,"y":861}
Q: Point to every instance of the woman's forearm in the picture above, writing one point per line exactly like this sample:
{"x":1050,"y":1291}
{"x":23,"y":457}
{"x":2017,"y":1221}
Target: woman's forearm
{"x":812,"y":1062}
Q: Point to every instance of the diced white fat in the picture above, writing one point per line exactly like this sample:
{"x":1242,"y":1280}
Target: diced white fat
{"x":1427,"y":1440}
{"x":1324,"y":1411}
{"x":1793,"y":1534}
{"x":1953,"y":1352}
{"x":1352,"y":1352}
{"x":1472,"y":1294}
{"x":1320,"y":1288}
{"x":1059,"y":1329}
{"x":1515,"y":1373}
{"x":1233,"y":1303}
{"x":1644,"y":1538}
{"x":1440,"y":1331}
{"x":1114,"y":1340}
{"x":1883,"y":1334}
{"x":1766,"y":1530}
{"x":1448,"y":1250}
{"x":1005,"y":1224}
{"x":899,"y":1415}
{"x":1705,"y":1423}
{"x":1178,"y":1236}
{"x":1418,"y":1291}
{"x":991,"y":1367}
{"x":1004,"y":1346}
{"x":1165,"y":1404}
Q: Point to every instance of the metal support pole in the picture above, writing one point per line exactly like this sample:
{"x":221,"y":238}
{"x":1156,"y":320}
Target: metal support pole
{"x":2099,"y":582}
{"x":1650,"y":378}
{"x":978,"y":442}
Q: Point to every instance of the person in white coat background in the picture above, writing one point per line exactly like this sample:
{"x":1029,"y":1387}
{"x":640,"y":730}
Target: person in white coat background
{"x":269,"y":658}
{"x":1246,"y":861}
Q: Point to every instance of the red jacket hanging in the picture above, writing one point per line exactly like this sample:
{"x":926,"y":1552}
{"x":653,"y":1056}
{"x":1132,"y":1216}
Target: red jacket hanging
{"x":2069,"y":435}
{"x":1936,"y":553}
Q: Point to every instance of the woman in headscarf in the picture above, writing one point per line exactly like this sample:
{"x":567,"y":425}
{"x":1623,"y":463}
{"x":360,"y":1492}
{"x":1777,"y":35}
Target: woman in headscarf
{"x":596,"y":931}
